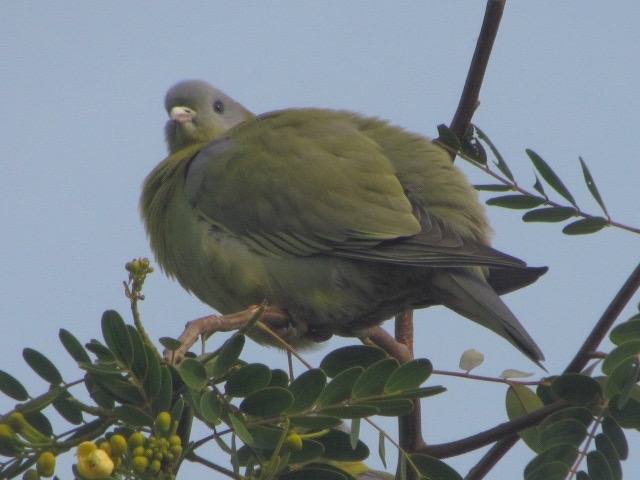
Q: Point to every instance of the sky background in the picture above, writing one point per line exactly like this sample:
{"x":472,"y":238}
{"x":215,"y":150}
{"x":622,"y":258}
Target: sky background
{"x":81,"y":95}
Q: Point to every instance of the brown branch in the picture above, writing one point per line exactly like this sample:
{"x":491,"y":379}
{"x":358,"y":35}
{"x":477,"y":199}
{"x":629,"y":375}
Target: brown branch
{"x":482,"y":439}
{"x":471,"y":91}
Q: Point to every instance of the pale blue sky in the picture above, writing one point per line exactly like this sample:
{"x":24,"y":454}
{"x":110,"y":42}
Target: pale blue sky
{"x":82,"y":90}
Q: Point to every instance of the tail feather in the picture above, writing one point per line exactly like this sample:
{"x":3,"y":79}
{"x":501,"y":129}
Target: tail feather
{"x":467,"y":293}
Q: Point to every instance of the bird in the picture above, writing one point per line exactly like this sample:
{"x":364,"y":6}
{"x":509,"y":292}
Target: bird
{"x":338,"y":219}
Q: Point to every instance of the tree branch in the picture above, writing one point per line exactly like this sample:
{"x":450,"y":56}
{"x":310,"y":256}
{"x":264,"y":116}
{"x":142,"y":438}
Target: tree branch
{"x":459,"y":447}
{"x":471,"y":91}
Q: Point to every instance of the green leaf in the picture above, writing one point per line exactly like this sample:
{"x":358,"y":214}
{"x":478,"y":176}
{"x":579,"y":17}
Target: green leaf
{"x":580,"y":414}
{"x":516,"y":201}
{"x":372,"y":381}
{"x":139,"y":363}
{"x":344,"y":358}
{"x":549,"y":214}
{"x":608,"y":451}
{"x":350,"y":411}
{"x":520,"y":400}
{"x":337,"y":447}
{"x":585,"y":226}
{"x":116,"y":336}
{"x":119,"y":389}
{"x":565,"y":431}
{"x":248,"y":379}
{"x":598,"y":467}
{"x":315,"y":422}
{"x":625,"y":353}
{"x":614,"y":433}
{"x":627,"y":416}
{"x":576,"y":389}
{"x":68,"y":410}
{"x":228,"y":355}
{"x":100,"y":396}
{"x":591,"y":185}
{"x":240,"y":427}
{"x":550,"y":177}
{"x":193,"y":374}
{"x":394,"y":407}
{"x":133,"y":417}
{"x":42,"y":366}
{"x":267,"y":402}
{"x":153,"y":380}
{"x":549,"y":471}
{"x":494,"y":187}
{"x":381,"y":448}
{"x":339,"y":389}
{"x":474,"y":150}
{"x":446,"y":136}
{"x":415,"y":393}
{"x":306,"y":389}
{"x":409,"y":376}
{"x":279,"y":378}
{"x":625,"y":332}
{"x":12,"y":387}
{"x":210,"y":406}
{"x":622,"y":379}
{"x":40,"y":422}
{"x":73,"y":346}
{"x":432,"y":468}
{"x":102,"y":352}
{"x":538,"y":187}
{"x":354,"y":434}
{"x":500,"y":163}
{"x":170,"y":344}
{"x":162,"y":401}
{"x":564,"y":453}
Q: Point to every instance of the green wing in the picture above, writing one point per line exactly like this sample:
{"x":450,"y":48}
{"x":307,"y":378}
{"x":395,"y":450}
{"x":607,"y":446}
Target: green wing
{"x":302,"y":182}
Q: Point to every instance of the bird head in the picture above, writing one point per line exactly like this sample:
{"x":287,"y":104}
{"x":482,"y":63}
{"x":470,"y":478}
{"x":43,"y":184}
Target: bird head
{"x":199,"y":112}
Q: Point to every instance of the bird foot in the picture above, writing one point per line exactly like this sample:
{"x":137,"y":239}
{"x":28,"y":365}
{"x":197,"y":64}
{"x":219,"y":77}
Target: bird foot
{"x":277,"y":320}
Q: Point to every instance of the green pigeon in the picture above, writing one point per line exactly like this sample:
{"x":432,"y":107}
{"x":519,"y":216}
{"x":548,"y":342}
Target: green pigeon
{"x":340,"y":220}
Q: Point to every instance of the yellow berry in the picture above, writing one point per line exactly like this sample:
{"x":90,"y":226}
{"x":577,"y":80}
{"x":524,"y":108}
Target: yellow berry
{"x":139,"y":464}
{"x":46,"y":464}
{"x":118,"y":445}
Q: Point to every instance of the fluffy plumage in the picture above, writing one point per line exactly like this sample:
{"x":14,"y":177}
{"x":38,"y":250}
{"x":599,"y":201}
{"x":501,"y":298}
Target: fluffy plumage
{"x":339,"y":219}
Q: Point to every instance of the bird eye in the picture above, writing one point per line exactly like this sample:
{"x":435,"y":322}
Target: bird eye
{"x":218,"y":106}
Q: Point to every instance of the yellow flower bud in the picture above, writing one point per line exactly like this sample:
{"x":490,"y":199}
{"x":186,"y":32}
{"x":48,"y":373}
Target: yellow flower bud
{"x":17,"y":421}
{"x":163,"y":422}
{"x":85,"y":448}
{"x":139,"y":464}
{"x":137,"y":440}
{"x":175,"y":440}
{"x":294,"y":441}
{"x":118,"y":445}
{"x":154,"y":466}
{"x":46,"y":464}
{"x":96,"y":465}
{"x":7,"y":433}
